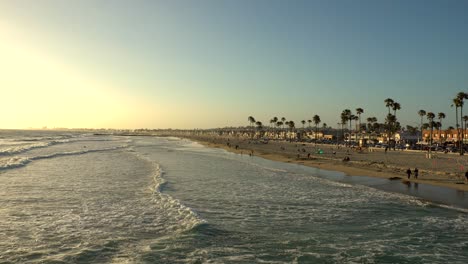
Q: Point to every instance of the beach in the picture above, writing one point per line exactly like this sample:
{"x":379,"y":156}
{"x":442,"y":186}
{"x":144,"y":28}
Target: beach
{"x":443,"y":169}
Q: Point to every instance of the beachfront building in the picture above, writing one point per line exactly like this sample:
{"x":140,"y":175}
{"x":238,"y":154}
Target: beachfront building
{"x":442,"y":136}
{"x":406,"y":137}
{"x":312,"y":135}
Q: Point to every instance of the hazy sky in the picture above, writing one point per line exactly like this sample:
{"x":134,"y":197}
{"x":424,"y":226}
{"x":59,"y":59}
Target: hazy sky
{"x":202,"y":64}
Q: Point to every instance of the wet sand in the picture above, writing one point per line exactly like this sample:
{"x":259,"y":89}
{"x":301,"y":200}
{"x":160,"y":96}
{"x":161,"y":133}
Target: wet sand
{"x":445,"y":170}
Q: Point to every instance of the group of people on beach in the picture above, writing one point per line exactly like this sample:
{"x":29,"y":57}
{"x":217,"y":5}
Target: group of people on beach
{"x":416,"y":173}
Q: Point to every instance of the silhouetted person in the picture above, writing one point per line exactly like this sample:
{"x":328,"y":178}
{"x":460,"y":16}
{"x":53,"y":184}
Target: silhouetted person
{"x":408,"y":171}
{"x":416,"y":172}
{"x":466,"y":176}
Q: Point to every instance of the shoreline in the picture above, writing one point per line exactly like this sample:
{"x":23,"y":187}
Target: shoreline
{"x":283,"y":152}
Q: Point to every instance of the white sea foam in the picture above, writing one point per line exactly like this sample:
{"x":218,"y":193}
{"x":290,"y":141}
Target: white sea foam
{"x":187,"y":218}
{"x":17,"y":161}
{"x":26,"y":147}
{"x":13,"y":162}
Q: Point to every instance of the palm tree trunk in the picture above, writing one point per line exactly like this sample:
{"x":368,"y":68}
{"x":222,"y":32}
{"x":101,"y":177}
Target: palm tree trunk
{"x":421,"y":132}
{"x":462,"y":130}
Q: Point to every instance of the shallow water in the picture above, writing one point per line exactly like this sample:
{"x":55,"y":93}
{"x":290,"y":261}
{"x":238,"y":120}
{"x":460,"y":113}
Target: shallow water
{"x":166,"y":200}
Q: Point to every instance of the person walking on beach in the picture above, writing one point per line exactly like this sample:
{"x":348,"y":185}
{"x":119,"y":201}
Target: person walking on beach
{"x":408,"y":171}
{"x":416,"y":171}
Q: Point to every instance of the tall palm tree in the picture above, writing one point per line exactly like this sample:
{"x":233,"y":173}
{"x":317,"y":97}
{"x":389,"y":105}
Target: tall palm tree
{"x":355,"y":119}
{"x":430,"y":116}
{"x":278,"y":124}
{"x":316,"y":119}
{"x":359,"y":111}
{"x":303,"y":123}
{"x":462,"y":96}
{"x":259,"y":127}
{"x":344,"y":120}
{"x":283,"y":120}
{"x":251,"y":119}
{"x":421,"y":113}
{"x":396,"y":106}
{"x":388,"y":103}
{"x":351,"y":119}
{"x":291,"y":127}
{"x":370,"y":123}
{"x":346,"y":114}
{"x":310,"y":122}
{"x":273,"y":121}
{"x":259,"y":124}
{"x":465,"y":119}
{"x":440,"y":116}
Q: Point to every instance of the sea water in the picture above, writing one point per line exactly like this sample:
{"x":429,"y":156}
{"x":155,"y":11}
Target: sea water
{"x":70,"y":197}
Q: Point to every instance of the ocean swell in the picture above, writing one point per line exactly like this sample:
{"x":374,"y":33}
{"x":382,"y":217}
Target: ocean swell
{"x":17,"y":161}
{"x":27,"y":147}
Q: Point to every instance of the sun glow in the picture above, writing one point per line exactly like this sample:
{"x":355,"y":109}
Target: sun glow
{"x":38,"y":89}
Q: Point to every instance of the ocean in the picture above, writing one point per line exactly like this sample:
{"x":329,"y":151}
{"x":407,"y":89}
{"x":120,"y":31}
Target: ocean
{"x":75,"y":197}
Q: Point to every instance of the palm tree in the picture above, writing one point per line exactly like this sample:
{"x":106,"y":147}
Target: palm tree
{"x":440,"y":116}
{"x":259,"y":127}
{"x":251,"y":119}
{"x":359,"y":111}
{"x":370,"y":123}
{"x":283,"y":120}
{"x":462,"y":96}
{"x":309,"y":121}
{"x":278,"y":124}
{"x":273,"y":121}
{"x":354,"y":118}
{"x":259,"y":124}
{"x":346,"y":116}
{"x":396,"y":106}
{"x":344,"y":120}
{"x":291,"y":127}
{"x":421,"y":113}
{"x":303,"y":123}
{"x":388,"y":103}
{"x":316,"y":119}
{"x":465,"y":119}
{"x":430,"y":116}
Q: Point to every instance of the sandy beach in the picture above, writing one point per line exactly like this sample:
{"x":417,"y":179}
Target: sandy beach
{"x":445,"y":170}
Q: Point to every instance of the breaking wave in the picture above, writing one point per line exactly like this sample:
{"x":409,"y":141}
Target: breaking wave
{"x":17,"y":161}
{"x":185,"y":217}
{"x":23,"y":148}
